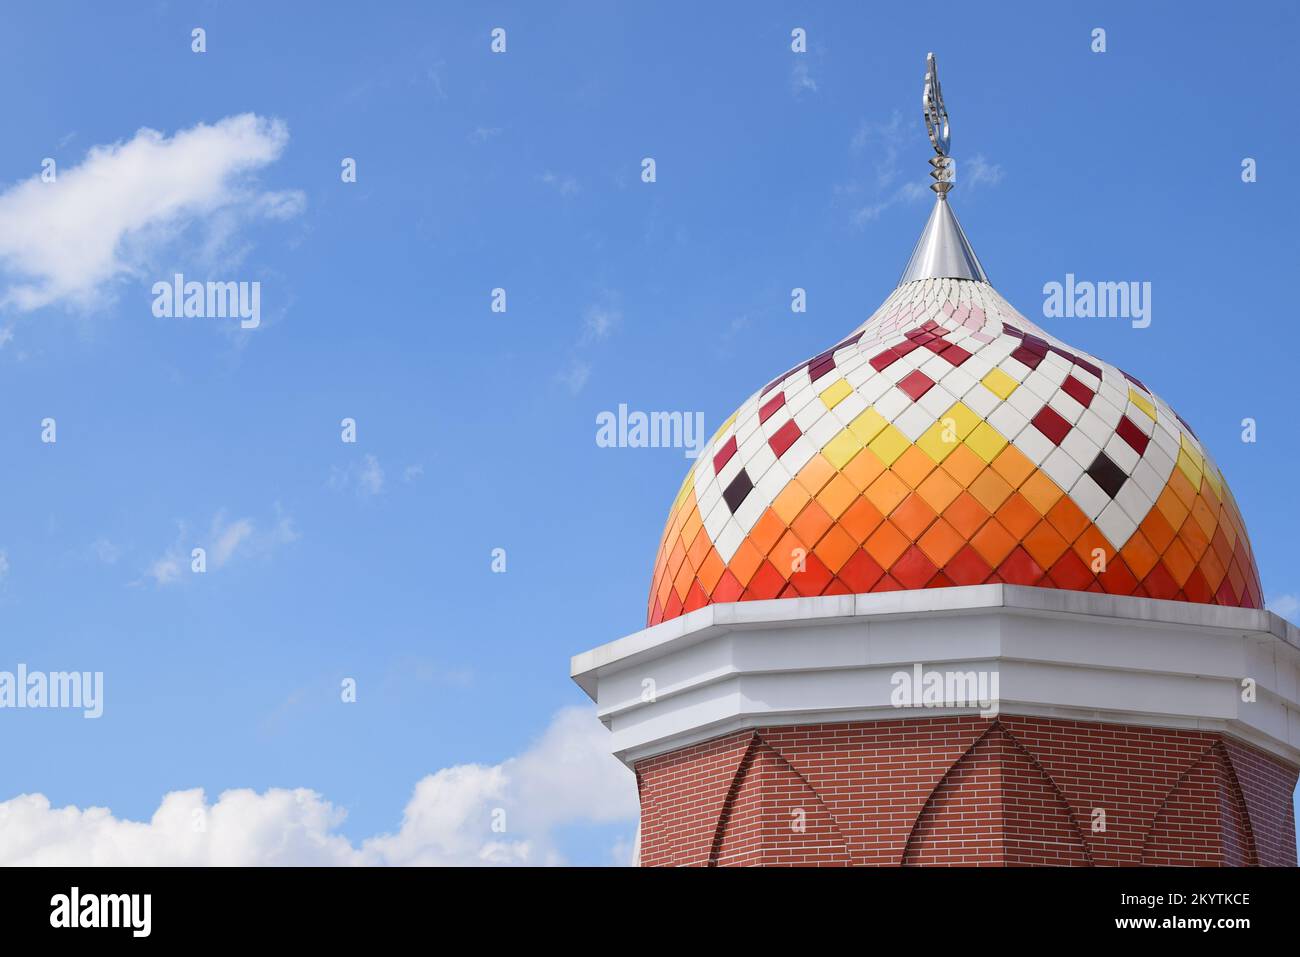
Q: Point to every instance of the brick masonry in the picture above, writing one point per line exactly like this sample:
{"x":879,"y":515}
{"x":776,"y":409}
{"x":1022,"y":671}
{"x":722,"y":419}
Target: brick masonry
{"x":1012,"y":790}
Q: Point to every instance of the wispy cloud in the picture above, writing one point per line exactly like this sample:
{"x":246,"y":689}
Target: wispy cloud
{"x":365,"y":475}
{"x":111,"y":216}
{"x":599,"y":322}
{"x":801,"y":78}
{"x":481,"y":134}
{"x":226,"y":539}
{"x":574,"y":376}
{"x":1284,"y":605}
{"x":565,"y":184}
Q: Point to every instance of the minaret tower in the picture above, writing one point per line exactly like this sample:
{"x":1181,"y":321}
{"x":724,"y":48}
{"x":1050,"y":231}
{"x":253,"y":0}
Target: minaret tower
{"x":955,"y":592}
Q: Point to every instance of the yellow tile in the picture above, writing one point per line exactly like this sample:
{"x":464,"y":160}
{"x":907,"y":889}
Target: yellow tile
{"x":963,"y":419}
{"x":1142,"y":403}
{"x":937,"y":442}
{"x":1190,"y":469}
{"x":1214,"y":478}
{"x":687,"y":486}
{"x":985,"y":441}
{"x":889,"y":444}
{"x":868,"y":425}
{"x":837,"y":393}
{"x":999,"y":383}
{"x":840,"y":450}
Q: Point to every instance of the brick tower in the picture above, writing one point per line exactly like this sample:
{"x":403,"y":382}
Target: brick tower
{"x":954,"y":592}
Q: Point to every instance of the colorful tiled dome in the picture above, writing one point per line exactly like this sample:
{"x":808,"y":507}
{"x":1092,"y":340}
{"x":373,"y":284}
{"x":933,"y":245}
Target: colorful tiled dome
{"x":950,"y":441}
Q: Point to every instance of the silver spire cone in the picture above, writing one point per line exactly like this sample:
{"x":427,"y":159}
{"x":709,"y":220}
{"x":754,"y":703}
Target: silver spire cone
{"x":943,"y":251}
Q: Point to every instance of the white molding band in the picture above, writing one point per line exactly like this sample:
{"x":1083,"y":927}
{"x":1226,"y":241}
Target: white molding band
{"x":1056,"y":653}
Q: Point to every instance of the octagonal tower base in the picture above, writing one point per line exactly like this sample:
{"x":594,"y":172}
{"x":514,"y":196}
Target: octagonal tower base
{"x":1107,"y":730}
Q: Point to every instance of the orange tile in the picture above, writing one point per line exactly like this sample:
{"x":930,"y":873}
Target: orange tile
{"x":963,"y":465}
{"x":836,"y":548}
{"x":790,"y":502}
{"x":993,"y":542}
{"x":913,"y":516}
{"x":887,"y":492}
{"x":1141,"y":557}
{"x":815,"y":474}
{"x":1193,"y":537}
{"x":1172,"y":507}
{"x":786,"y":553}
{"x":940,"y":542}
{"x":1206,"y":516}
{"x":1182,"y":487}
{"x":1213,"y":569}
{"x":1089,"y":540}
{"x":766,"y":531}
{"x":913,"y":466}
{"x":745,"y":562}
{"x":939,"y":489}
{"x":966,"y":514}
{"x":710,"y":571}
{"x":1067,"y":518}
{"x":1157,"y":530}
{"x":886,"y":545}
{"x":1041,"y":491}
{"x":1018,"y":516}
{"x":990,"y":489}
{"x":676,"y":557}
{"x":812,"y":523}
{"x":837,"y":496}
{"x":1012,"y":465}
{"x":682,"y":581}
{"x":861,"y":519}
{"x":1179,"y":561}
{"x":1045,"y":544}
{"x":700,"y":547}
{"x":864,"y":469}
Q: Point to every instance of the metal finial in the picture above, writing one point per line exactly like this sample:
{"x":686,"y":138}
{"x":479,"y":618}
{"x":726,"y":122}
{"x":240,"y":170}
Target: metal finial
{"x":943,"y":251}
{"x":936,"y":123}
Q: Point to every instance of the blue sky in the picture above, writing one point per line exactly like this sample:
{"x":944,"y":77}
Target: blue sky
{"x":476,"y":429}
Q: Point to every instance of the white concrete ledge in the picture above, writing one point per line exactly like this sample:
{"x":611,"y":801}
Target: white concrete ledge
{"x":1056,"y":654}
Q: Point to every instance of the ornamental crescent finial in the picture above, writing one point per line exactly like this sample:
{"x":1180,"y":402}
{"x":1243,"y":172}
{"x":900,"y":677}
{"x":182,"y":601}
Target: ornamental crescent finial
{"x":936,"y":124}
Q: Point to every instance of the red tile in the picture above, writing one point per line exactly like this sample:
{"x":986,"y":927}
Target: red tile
{"x":784,"y":438}
{"x":1196,"y":588}
{"x":695,"y":598}
{"x":770,"y":406}
{"x":884,"y":360}
{"x":1049,"y":422}
{"x":916,"y":384}
{"x":815,"y":577}
{"x":913,"y":569}
{"x":967,"y":568}
{"x":728,"y":588}
{"x":766,"y":583}
{"x":955,"y":354}
{"x":724,"y":454}
{"x":861,"y":572}
{"x":1070,"y":572}
{"x":1077,"y":391}
{"x":1131,"y":434}
{"x":1159,"y":583}
{"x":1020,"y":569}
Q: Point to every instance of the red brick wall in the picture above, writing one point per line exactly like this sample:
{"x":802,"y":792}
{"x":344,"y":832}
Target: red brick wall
{"x":967,"y":791}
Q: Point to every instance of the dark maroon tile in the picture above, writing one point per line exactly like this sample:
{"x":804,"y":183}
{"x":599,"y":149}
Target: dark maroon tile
{"x":784,"y":437}
{"x":820,"y":368}
{"x":1010,"y":330}
{"x":770,"y":406}
{"x":1027,"y":356}
{"x":1035,"y":345}
{"x":1109,"y":476}
{"x":916,"y":384}
{"x":1049,"y":422}
{"x":735,"y":492}
{"x":1131,"y":434}
{"x":1087,"y":366}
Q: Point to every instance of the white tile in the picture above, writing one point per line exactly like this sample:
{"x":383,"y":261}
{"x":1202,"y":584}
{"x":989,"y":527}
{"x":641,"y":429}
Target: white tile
{"x":936,"y":401}
{"x":1080,"y":448}
{"x":1116,"y":524}
{"x":1035,"y":446}
{"x":729,"y":540}
{"x":913,"y":421}
{"x":1135,"y":502}
{"x":805,"y":418}
{"x":1007,"y":421}
{"x":1088,"y":495}
{"x":751,"y":510}
{"x":891,"y":404}
{"x":1025,"y":402}
{"x":1149,"y":480}
{"x":849,"y":408}
{"x":1061,"y":468}
{"x":1091,"y":425}
{"x":980,"y":400}
{"x":1122,"y":454}
{"x":1068,"y":408}
{"x":825,"y":429}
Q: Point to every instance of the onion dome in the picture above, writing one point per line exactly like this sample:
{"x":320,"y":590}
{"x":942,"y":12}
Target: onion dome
{"x":950,"y":441}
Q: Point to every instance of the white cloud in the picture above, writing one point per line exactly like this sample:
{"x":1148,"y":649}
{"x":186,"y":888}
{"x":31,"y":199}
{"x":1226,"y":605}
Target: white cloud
{"x":366,"y":476}
{"x":801,"y":79}
{"x":225,"y":541}
{"x":566,"y":777}
{"x":1284,"y":605}
{"x":599,"y":322}
{"x":110,"y":216}
{"x":575,"y":376}
{"x":566,"y":184}
{"x":978,"y":171}
{"x":4,"y":564}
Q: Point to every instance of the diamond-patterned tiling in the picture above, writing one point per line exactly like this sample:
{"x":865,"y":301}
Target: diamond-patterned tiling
{"x":951,"y":442}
